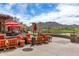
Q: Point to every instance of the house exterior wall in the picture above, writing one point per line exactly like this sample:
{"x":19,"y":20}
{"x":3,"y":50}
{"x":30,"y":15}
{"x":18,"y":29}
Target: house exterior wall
{"x":3,"y":19}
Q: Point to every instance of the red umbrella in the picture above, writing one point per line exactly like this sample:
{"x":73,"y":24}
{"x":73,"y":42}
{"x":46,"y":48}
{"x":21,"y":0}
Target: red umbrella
{"x":11,"y":23}
{"x":14,"y":26}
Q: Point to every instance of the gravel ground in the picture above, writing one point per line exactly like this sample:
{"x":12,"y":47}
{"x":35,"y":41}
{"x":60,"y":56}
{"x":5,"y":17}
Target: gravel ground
{"x":58,"y":47}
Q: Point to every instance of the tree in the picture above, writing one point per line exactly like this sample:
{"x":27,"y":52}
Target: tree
{"x":16,"y":19}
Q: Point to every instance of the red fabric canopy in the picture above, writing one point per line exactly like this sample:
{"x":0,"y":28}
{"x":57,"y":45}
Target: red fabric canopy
{"x":13,"y":24}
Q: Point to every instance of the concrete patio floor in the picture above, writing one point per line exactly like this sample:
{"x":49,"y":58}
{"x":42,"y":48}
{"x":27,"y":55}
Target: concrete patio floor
{"x":58,"y":47}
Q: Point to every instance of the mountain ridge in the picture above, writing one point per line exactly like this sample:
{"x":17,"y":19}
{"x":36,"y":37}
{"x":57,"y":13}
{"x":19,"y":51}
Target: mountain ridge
{"x":54,"y":24}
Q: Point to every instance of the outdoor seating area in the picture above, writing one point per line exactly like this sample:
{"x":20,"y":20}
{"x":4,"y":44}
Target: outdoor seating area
{"x":9,"y":43}
{"x":14,"y":37}
{"x":19,"y":41}
{"x":42,"y":38}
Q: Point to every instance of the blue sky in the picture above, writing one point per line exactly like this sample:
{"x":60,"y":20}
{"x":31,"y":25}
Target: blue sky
{"x":30,"y":9}
{"x":63,"y":13}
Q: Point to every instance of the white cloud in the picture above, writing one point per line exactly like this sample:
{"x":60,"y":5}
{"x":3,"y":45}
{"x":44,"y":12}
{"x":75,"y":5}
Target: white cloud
{"x":9,"y":6}
{"x":68,"y":9}
{"x":65,"y":15}
{"x":7,"y":10}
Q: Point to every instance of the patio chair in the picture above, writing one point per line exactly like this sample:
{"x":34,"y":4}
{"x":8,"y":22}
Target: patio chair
{"x":13,"y":43}
{"x":20,"y":37}
{"x":2,"y":44}
{"x":39,"y":39}
{"x":27,"y":40}
{"x":2,"y":36}
{"x":21,"y":43}
{"x":46,"y":38}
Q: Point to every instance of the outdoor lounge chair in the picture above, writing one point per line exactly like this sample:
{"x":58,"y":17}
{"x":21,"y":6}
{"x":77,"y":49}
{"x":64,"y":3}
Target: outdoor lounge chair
{"x":21,"y":41}
{"x":2,"y":36}
{"x":2,"y":44}
{"x":46,"y":38}
{"x":13,"y":43}
{"x":27,"y":40}
{"x":20,"y":37}
{"x":39,"y":39}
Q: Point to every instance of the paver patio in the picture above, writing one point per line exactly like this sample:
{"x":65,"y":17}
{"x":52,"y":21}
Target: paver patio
{"x":58,"y":47}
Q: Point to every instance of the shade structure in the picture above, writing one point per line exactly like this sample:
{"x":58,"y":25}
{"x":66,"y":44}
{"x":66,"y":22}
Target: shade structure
{"x":13,"y":24}
{"x":10,"y":23}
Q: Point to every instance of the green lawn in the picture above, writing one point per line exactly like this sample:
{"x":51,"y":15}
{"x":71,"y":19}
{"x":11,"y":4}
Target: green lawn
{"x":63,"y":30}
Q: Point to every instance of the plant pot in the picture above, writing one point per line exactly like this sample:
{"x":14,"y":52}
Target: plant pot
{"x":74,"y":38}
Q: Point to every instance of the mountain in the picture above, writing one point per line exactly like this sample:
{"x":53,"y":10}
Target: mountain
{"x":54,"y":24}
{"x":44,"y":25}
{"x":49,"y":24}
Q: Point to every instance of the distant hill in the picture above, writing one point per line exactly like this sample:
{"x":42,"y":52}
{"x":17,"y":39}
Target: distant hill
{"x":44,"y":25}
{"x":54,"y":24}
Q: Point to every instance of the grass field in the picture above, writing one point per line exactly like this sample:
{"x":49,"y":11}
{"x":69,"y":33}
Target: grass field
{"x":62,"y":30}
